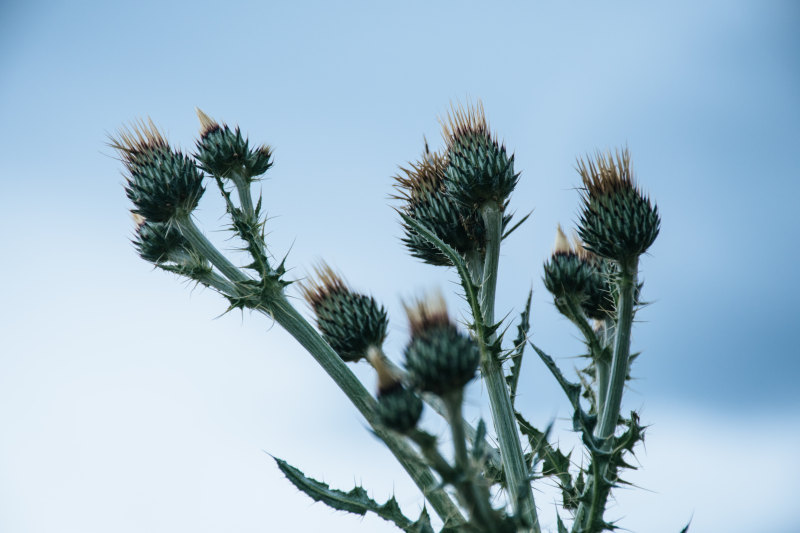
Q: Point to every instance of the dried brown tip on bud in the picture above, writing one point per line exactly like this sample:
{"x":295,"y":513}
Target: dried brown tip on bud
{"x":426,"y":313}
{"x":138,"y":137}
{"x":423,"y":177}
{"x":207,"y":124}
{"x":388,"y":377}
{"x":607,"y":173}
{"x":324,"y":282}
{"x":581,"y":251}
{"x":464,"y":120}
{"x":561,"y":245}
{"x":138,"y":219}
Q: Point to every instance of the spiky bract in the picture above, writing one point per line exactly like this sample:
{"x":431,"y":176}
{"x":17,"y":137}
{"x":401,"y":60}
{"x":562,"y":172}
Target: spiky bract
{"x":423,"y":188}
{"x":161,"y":182}
{"x":349,"y":322}
{"x":163,"y":245}
{"x":222,"y":151}
{"x":617,"y":220}
{"x":479,"y":170}
{"x":574,"y":272}
{"x":399,"y":408}
{"x":439,"y":358}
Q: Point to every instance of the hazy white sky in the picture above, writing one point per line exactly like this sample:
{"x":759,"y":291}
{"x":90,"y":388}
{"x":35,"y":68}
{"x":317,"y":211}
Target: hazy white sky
{"x":128,"y":404}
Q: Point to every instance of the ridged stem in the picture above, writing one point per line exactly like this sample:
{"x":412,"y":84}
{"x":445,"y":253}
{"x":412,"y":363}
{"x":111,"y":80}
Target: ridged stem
{"x":603,"y":366}
{"x":204,"y":247}
{"x":288,"y":317}
{"x":243,"y":190}
{"x":622,"y":349}
{"x":477,"y":498}
{"x":505,"y":425}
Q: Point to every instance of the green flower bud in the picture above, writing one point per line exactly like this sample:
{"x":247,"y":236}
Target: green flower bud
{"x":574,"y":272}
{"x":162,"y":183}
{"x":426,"y":199}
{"x":349,"y":322}
{"x":479,"y":171}
{"x":617,"y":220}
{"x":439,"y":358}
{"x":222,"y":151}
{"x":162,"y":244}
{"x":399,"y":408}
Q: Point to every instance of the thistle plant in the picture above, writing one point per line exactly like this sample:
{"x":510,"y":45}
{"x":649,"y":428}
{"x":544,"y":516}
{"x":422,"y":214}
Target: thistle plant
{"x":453,"y":208}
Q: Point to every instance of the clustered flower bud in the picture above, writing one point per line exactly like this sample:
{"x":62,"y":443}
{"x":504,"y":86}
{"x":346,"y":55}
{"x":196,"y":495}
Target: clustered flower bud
{"x":479,"y":171}
{"x":439,"y":358}
{"x":574,"y":272}
{"x":423,"y":188}
{"x":161,"y":182}
{"x":224,"y":152}
{"x":399,"y":407}
{"x":349,"y":322}
{"x":617,"y":220}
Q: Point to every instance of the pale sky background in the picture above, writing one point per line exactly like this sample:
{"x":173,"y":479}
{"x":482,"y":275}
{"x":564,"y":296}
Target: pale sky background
{"x":128,"y":404}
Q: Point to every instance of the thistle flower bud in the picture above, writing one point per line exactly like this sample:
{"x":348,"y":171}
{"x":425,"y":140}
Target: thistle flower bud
{"x":479,"y":170}
{"x":349,"y":322}
{"x":564,"y":273}
{"x":617,"y":220}
{"x":424,"y":190}
{"x":574,"y":272}
{"x":222,"y":151}
{"x":439,"y":358}
{"x":161,"y":182}
{"x":399,"y":408}
{"x":162,"y":244}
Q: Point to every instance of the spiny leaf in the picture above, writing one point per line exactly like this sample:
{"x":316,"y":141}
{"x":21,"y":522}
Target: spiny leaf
{"x":515,"y":226}
{"x":519,"y":348}
{"x":422,"y":525}
{"x":555,"y":462}
{"x":581,"y":421}
{"x":356,"y":501}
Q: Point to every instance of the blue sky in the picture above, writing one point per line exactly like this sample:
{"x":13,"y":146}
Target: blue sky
{"x":119,"y":387}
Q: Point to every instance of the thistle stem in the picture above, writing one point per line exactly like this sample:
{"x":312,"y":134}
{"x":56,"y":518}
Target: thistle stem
{"x":243,"y":190}
{"x":288,"y":317}
{"x":622,"y":348}
{"x":603,"y":365}
{"x":204,"y":247}
{"x":475,"y":496}
{"x":518,"y":481}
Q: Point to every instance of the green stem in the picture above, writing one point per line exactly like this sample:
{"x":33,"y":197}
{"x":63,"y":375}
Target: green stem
{"x":243,"y":190}
{"x":493,"y":456}
{"x":475,"y":262}
{"x":597,"y":505}
{"x":577,"y":317}
{"x":518,"y":481}
{"x":204,"y":247}
{"x":603,"y":366}
{"x":288,"y":317}
{"x":622,"y":348}
{"x":477,"y":498}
